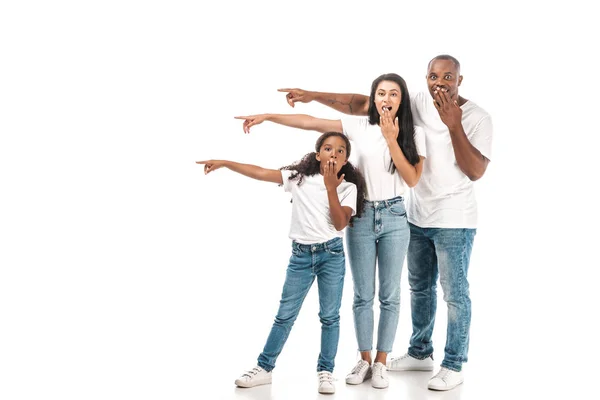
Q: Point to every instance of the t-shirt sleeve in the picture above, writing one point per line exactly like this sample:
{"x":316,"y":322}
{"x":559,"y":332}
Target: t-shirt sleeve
{"x":481,"y":139}
{"x":285,"y":177}
{"x":420,"y":141}
{"x":354,"y":126}
{"x":415,"y":100}
{"x":348,"y":197}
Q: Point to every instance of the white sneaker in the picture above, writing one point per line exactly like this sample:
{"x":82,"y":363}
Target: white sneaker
{"x":380,"y":379}
{"x":360,"y":373}
{"x":409,"y":363}
{"x":325,"y":382}
{"x":446,"y":379}
{"x":256,"y":376}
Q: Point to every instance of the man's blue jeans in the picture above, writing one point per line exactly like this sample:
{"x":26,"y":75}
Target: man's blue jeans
{"x":380,"y":237}
{"x":326,"y":262}
{"x":444,"y":252}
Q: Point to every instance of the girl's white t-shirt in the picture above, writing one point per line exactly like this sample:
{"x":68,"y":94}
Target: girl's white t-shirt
{"x":311,"y":220}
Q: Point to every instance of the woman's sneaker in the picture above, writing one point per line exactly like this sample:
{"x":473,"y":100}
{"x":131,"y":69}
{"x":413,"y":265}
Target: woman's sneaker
{"x":380,"y":379}
{"x":256,"y":376}
{"x":360,"y":373}
{"x":325,"y":382}
{"x":409,"y":363}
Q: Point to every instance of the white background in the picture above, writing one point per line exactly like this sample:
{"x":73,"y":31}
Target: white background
{"x":126,"y":273}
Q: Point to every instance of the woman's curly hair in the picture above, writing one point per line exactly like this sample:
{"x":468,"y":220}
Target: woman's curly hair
{"x":309,"y":166}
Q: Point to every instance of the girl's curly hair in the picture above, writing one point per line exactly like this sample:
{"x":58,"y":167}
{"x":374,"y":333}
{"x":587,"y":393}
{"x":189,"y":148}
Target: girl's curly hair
{"x":309,"y":166}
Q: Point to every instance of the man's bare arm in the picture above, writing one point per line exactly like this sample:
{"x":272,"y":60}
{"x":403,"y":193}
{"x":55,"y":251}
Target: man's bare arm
{"x":347,"y":103}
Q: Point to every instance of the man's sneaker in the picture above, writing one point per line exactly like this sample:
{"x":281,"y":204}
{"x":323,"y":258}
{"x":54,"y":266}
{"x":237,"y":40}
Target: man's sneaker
{"x":360,"y":373}
{"x":409,"y":363}
{"x":380,"y":379}
{"x":256,"y":376}
{"x":325,"y":382}
{"x":446,"y":379}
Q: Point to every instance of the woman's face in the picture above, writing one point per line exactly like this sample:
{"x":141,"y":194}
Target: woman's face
{"x":388,"y":97}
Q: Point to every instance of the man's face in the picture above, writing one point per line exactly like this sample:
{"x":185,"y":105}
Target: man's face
{"x":443,"y":75}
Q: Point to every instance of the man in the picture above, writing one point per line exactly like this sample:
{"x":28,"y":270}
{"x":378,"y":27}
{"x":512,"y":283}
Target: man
{"x":442,"y":212}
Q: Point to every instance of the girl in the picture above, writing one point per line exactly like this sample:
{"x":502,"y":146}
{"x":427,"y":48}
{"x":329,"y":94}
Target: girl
{"x":391,"y":151}
{"x":326,"y":190}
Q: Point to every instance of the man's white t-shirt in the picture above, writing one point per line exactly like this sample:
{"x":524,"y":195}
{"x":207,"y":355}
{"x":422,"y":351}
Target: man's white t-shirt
{"x":374,"y":158}
{"x":311,"y":220}
{"x":445,"y":196}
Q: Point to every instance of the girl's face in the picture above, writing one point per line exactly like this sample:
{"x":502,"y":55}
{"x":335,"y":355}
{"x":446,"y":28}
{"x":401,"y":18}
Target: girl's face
{"x":388,"y":96}
{"x":333,"y":148}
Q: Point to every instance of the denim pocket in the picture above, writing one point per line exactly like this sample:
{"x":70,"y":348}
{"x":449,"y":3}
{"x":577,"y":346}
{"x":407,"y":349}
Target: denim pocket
{"x":397,"y":209}
{"x":296,"y":251}
{"x":335,"y":251}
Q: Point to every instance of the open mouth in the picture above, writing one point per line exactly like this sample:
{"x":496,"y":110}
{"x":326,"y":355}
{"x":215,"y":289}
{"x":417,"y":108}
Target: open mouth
{"x":386,"y":108}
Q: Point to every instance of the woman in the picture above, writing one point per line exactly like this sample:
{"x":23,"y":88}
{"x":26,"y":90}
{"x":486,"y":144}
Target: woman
{"x":390,"y":151}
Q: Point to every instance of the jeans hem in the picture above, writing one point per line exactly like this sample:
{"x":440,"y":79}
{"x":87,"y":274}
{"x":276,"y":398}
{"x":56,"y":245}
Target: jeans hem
{"x":268,"y":369}
{"x":325,"y":369}
{"x":419,"y":357}
{"x":452,"y":368}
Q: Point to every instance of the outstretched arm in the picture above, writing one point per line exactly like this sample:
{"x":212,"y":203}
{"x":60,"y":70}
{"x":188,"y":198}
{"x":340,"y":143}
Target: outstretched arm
{"x":252,"y":171}
{"x":301,"y":121}
{"x":347,"y":103}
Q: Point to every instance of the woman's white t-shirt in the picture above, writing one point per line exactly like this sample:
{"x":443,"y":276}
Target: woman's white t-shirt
{"x":373,"y":158}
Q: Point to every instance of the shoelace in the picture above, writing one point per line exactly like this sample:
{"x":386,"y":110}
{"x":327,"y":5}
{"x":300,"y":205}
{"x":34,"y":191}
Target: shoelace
{"x":399,"y":358}
{"x":378,"y":370}
{"x":359,"y":368}
{"x":443,"y":374}
{"x":325,"y":376}
{"x":394,"y":359}
{"x":252,"y":372}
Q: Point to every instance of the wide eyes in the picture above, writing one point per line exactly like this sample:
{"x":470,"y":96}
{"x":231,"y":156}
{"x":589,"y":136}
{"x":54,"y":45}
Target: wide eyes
{"x":446,"y":77}
{"x":341,"y":151}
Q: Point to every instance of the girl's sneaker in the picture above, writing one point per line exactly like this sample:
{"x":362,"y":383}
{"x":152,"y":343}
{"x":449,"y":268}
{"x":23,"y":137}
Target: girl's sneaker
{"x":326,"y":382}
{"x":256,"y":376}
